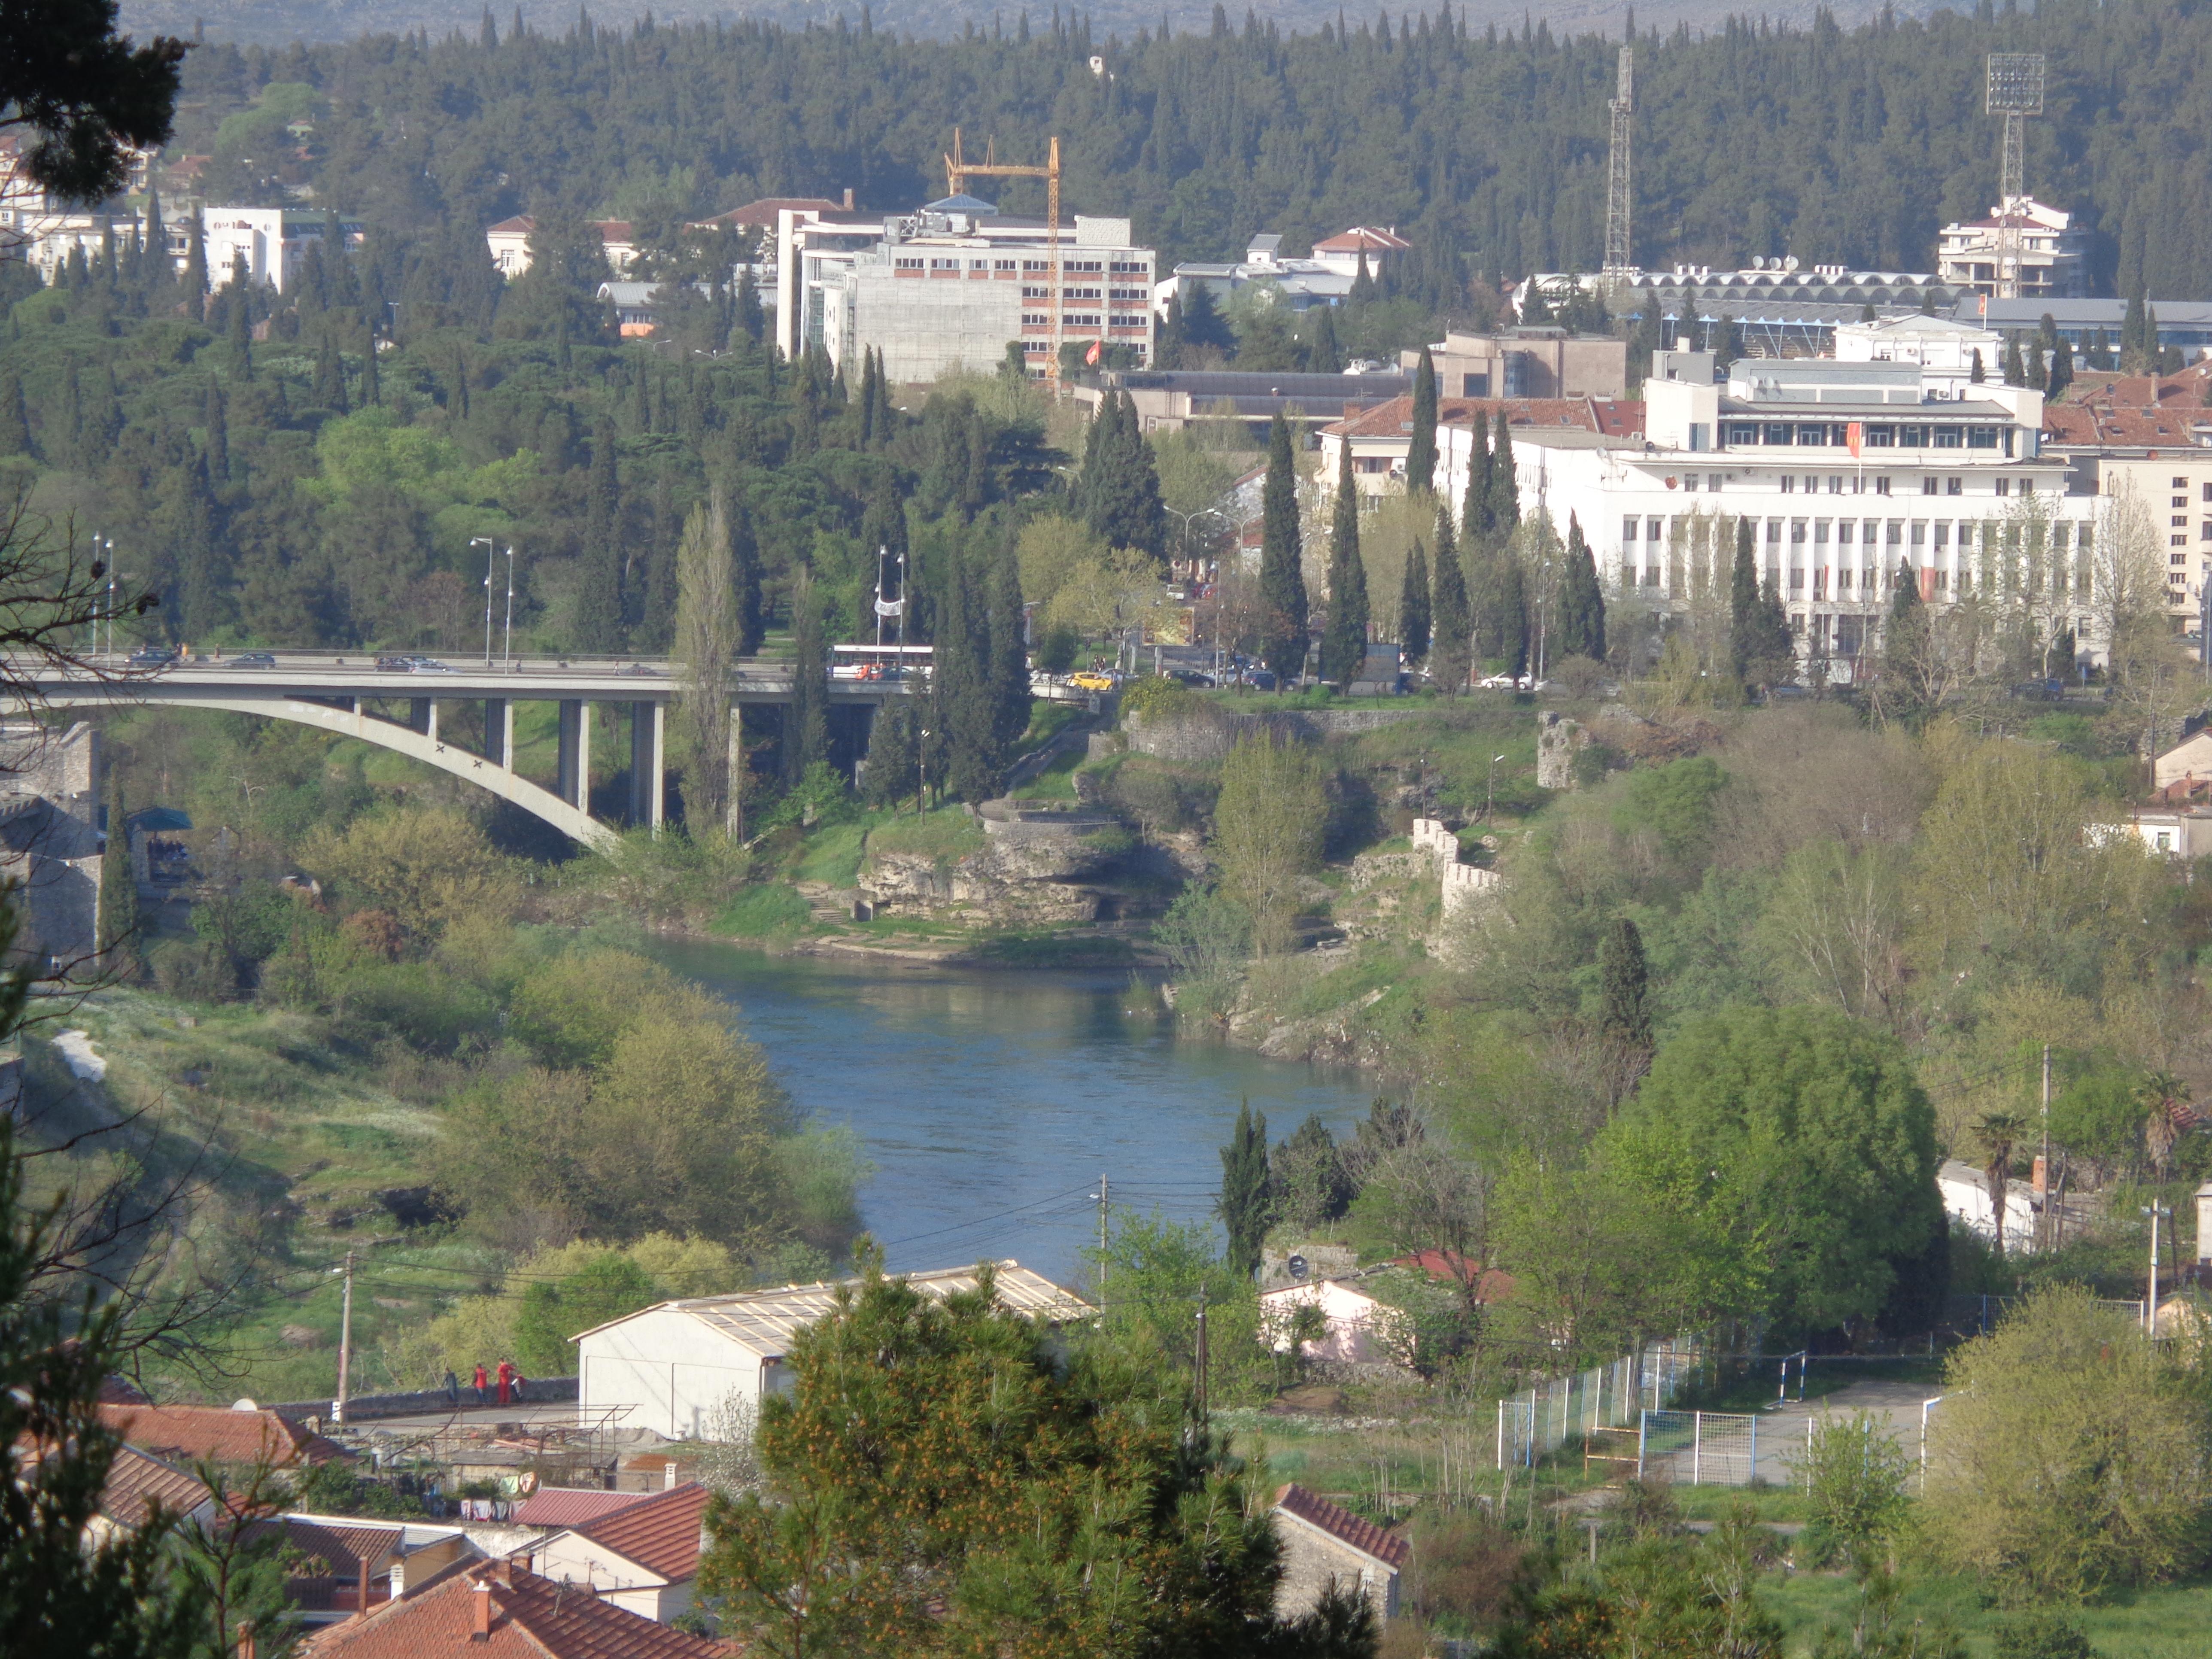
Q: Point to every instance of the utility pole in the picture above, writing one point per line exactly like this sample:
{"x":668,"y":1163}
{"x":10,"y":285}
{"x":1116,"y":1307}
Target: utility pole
{"x":1101,"y":1240}
{"x":2043,"y":1160}
{"x":2151,"y":1302}
{"x":491,"y":558}
{"x":345,"y":1340}
{"x":1202,"y":1415}
{"x":509,"y":649}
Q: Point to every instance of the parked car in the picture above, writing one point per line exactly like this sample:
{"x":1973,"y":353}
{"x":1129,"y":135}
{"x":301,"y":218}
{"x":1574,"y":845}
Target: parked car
{"x":1259,"y":680}
{"x":1091,"y":680}
{"x":254,"y":659}
{"x":2050,"y":690}
{"x":1504,"y":683}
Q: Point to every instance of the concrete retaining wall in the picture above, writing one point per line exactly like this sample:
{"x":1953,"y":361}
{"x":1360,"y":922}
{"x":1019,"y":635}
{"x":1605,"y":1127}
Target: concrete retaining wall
{"x":362,"y":1407}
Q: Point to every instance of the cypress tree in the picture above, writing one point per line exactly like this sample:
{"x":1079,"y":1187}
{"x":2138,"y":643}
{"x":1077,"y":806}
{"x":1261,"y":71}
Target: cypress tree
{"x":1475,"y":514}
{"x":1978,"y":375}
{"x":745,"y":579}
{"x":2133,"y":343}
{"x":1323,"y":355}
{"x":1362,"y":284}
{"x":1282,"y":583}
{"x":1450,"y":626}
{"x":1245,"y":1199}
{"x":1624,"y":1013}
{"x":1009,"y":670}
{"x":2038,"y":377}
{"x":2062,"y":369}
{"x":65,"y":431}
{"x":1505,"y":481}
{"x":961,"y":681}
{"x":806,"y":717}
{"x":750,"y":319}
{"x":1581,"y":602}
{"x":1344,"y":645}
{"x":1121,"y":483}
{"x":1508,"y":621}
{"x":1744,"y":617}
{"x":371,"y":391}
{"x":1413,"y":607}
{"x":15,"y":417}
{"x":330,"y":377}
{"x":867,"y":399}
{"x":118,"y":889}
{"x":599,"y":624}
{"x":1421,"y":454}
{"x":218,"y":436}
{"x":155,"y":277}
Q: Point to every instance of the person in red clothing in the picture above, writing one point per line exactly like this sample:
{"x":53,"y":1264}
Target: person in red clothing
{"x":506,"y":1381}
{"x":482,"y":1382}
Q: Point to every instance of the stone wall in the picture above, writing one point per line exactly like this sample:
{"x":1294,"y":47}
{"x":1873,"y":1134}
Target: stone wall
{"x":1558,"y":739}
{"x":50,"y":839}
{"x":362,"y":1407}
{"x":1467,"y":884}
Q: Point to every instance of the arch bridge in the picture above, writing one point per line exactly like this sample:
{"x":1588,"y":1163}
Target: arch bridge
{"x":335,"y":694}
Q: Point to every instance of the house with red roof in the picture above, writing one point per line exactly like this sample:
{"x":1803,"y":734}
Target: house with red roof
{"x":242,"y":1434}
{"x":1326,"y":1545}
{"x":643,"y":1556}
{"x":496,"y":1610}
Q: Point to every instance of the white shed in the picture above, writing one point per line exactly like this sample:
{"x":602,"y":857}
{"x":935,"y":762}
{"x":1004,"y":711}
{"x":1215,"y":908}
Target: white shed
{"x":675,"y":1367}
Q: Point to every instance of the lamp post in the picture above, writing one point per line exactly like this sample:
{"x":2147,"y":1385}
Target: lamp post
{"x":491,"y":557}
{"x":510,"y":608}
{"x":2151,"y":1302}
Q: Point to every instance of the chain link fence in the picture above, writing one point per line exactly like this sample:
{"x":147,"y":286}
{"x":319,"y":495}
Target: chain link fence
{"x":1718,"y":1448}
{"x":1540,"y":1419}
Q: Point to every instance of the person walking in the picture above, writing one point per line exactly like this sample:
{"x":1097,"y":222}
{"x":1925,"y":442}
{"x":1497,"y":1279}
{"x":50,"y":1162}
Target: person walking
{"x":481,"y":1383}
{"x":505,"y":1382}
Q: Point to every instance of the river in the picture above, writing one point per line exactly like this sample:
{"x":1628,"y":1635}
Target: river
{"x":990,"y":1102}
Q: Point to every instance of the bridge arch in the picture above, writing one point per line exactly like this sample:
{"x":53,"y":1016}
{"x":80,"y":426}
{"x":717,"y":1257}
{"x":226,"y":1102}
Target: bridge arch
{"x":487,"y":772}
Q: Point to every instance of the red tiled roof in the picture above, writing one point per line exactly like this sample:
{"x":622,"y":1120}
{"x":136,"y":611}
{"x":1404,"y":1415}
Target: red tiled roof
{"x":531,"y":1618}
{"x":661,"y":1534}
{"x":521,"y":225}
{"x":1491,"y":1284}
{"x":1360,"y":236}
{"x":218,"y":1433}
{"x":1343,"y":1525}
{"x":136,"y":1480}
{"x":1612,"y":416}
{"x":2092,"y":426}
{"x":612,"y":230}
{"x":339,"y":1548}
{"x":573,"y":1506}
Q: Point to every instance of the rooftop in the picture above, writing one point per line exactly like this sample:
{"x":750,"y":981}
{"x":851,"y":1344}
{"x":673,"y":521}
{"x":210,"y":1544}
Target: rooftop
{"x":1612,"y":417}
{"x":662,"y":1535}
{"x":575,"y":1507}
{"x":221,"y":1434}
{"x":136,"y":1482}
{"x":766,"y":1321}
{"x":1344,"y":1526}
{"x":528,"y":1618}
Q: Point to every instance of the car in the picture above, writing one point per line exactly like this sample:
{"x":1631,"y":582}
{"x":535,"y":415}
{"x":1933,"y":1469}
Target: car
{"x":151,"y":656}
{"x":1091,"y":680}
{"x":427,"y":666}
{"x":1504,"y":683}
{"x":395,"y":664}
{"x":254,"y":659}
{"x":638,"y":670}
{"x":1259,"y":680}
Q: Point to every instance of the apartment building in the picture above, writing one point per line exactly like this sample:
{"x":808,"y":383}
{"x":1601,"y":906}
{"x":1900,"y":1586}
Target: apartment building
{"x":1535,"y":361}
{"x":1853,"y":476}
{"x":954,"y":283}
{"x":2022,"y":251}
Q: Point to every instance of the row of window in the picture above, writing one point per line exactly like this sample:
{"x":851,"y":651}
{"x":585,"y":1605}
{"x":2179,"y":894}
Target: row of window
{"x":1882,"y":435}
{"x":1894,"y":532}
{"x":1027,"y":267}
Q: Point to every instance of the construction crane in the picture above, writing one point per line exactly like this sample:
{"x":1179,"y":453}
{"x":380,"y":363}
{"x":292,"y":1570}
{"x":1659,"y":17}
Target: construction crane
{"x":958,"y":171}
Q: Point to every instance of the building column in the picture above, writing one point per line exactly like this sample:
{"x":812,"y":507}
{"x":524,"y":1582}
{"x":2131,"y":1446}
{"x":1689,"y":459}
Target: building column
{"x":648,"y":743}
{"x":422,"y":716}
{"x":499,"y":733}
{"x":574,"y":784}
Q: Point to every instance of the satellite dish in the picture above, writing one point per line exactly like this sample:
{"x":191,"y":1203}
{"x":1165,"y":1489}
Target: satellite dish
{"x":244,"y":1405}
{"x":1790,"y":263}
{"x":1297,"y":1266}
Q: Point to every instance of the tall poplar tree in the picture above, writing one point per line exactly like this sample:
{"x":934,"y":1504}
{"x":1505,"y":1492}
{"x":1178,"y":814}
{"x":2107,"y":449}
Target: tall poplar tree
{"x":1344,"y":644}
{"x":1744,"y":617}
{"x":1245,"y":1202}
{"x":1009,"y":668}
{"x":745,"y":581}
{"x":1282,"y":583}
{"x":1413,"y":607}
{"x":706,"y":638}
{"x":806,"y":717}
{"x":1421,"y":453}
{"x":1450,"y":626}
{"x":598,"y":622}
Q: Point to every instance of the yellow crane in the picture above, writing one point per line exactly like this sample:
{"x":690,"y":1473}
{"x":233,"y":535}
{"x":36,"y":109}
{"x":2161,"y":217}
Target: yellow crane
{"x":958,"y":171}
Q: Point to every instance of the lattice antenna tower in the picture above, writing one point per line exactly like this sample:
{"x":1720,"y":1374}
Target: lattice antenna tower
{"x":1620,"y":197}
{"x":2015,"y":92}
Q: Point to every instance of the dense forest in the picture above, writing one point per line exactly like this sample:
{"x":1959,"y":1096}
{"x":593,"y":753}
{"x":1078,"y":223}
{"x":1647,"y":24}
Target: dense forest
{"x":1837,"y":145}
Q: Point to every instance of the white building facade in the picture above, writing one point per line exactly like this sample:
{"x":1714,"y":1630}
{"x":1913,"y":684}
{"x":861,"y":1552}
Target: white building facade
{"x":270,"y":241}
{"x":953,"y":284}
{"x":1852,"y":475}
{"x":2022,"y":251}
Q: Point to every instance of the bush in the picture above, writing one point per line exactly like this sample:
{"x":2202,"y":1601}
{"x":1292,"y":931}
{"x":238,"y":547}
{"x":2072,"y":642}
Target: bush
{"x":1157,"y":697}
{"x":1055,"y":654}
{"x":2043,"y":1633}
{"x":2068,"y":1456}
{"x":1855,"y":1477}
{"x":759,"y":912}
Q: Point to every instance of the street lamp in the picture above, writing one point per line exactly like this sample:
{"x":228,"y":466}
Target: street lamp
{"x":2150,"y":1303}
{"x":510,"y":607}
{"x":491,"y":556}
{"x":1490,"y":792}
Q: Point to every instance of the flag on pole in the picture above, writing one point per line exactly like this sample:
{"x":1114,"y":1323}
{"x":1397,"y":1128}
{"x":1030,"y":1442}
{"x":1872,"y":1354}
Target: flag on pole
{"x":1092,"y":355}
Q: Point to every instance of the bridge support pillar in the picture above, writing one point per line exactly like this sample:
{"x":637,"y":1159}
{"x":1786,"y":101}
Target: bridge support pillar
{"x":648,"y":746}
{"x":575,"y":779}
{"x":499,"y":733}
{"x":422,"y":716}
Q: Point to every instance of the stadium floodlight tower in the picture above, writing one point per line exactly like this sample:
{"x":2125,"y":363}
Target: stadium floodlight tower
{"x":2015,"y":92}
{"x":1619,"y":196}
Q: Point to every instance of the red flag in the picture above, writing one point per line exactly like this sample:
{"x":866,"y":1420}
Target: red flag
{"x":1853,"y":434}
{"x":1092,"y":355}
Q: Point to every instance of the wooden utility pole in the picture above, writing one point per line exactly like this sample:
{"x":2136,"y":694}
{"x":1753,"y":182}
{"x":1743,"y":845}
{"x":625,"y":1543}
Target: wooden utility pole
{"x":958,"y":171}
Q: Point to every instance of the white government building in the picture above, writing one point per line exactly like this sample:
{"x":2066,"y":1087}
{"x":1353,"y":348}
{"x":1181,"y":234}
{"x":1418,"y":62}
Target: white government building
{"x":676,"y":1367}
{"x":1887,"y":457}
